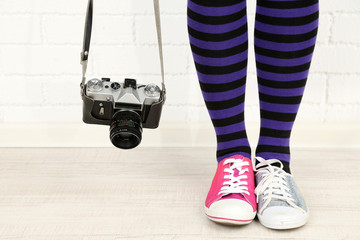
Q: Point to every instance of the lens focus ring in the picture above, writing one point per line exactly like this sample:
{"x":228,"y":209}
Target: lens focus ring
{"x":126,"y":129}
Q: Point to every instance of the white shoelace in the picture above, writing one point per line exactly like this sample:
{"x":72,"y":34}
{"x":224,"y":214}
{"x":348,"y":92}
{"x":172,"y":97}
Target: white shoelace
{"x":234,"y":184}
{"x":272,"y":184}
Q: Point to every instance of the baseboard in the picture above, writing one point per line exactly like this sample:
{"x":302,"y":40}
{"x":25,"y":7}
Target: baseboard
{"x":169,"y":134}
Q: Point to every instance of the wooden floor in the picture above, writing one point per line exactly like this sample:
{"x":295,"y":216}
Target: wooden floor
{"x":158,"y":193}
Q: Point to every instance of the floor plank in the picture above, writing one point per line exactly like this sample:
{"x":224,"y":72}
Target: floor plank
{"x":157,"y":193}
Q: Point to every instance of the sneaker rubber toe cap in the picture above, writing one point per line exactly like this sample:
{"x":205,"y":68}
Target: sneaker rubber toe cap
{"x":231,"y":209}
{"x":283,"y":217}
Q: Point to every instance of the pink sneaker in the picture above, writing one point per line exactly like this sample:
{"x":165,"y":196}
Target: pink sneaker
{"x":231,"y":198}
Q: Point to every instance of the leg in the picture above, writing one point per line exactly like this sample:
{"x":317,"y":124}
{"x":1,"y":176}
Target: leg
{"x":219,"y":43}
{"x":285,"y":36}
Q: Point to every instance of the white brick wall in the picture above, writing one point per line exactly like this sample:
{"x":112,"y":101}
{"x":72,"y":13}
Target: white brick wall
{"x":40,"y":42}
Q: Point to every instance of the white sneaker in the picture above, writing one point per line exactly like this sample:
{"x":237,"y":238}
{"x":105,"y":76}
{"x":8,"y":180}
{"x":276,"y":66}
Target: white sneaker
{"x":280,"y":202}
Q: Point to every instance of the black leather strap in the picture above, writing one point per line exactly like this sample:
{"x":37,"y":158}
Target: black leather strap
{"x":87,"y":31}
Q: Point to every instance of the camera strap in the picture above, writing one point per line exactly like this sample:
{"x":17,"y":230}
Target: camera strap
{"x":87,"y":40}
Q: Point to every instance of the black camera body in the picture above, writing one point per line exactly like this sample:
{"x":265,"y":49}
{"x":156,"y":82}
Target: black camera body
{"x":127,"y":108}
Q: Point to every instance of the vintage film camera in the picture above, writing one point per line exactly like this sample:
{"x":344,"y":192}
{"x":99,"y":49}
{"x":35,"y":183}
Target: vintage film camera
{"x":126,"y":106}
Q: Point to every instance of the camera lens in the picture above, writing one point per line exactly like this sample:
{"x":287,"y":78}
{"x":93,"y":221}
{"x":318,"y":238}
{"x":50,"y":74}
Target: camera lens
{"x":126,"y":129}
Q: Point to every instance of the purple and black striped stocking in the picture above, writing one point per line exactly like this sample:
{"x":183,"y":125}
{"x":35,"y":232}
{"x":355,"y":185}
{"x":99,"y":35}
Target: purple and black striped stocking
{"x":285,"y":36}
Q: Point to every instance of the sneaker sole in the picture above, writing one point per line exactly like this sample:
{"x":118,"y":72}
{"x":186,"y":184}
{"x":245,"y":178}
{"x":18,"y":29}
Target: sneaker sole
{"x":228,"y":221}
{"x":289,"y":224}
